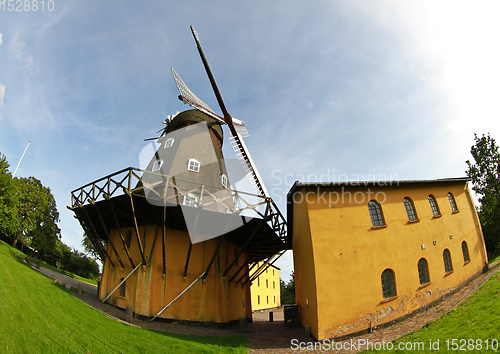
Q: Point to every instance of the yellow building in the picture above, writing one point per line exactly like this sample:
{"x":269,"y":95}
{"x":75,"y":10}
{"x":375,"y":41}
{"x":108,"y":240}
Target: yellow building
{"x":265,"y":289}
{"x":366,"y":254}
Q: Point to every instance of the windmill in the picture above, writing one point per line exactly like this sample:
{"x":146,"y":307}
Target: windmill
{"x":142,"y":222}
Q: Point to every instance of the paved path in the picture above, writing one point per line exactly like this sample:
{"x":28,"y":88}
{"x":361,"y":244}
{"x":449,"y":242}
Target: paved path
{"x":86,"y":287}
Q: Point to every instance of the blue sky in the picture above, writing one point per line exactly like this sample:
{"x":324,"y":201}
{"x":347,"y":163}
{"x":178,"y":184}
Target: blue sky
{"x":328,"y":89}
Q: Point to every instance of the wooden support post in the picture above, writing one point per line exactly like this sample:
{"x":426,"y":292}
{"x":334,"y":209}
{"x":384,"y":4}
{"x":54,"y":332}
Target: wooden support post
{"x":163,"y":232}
{"x":255,"y":231}
{"x":222,"y":238}
{"x":187,"y":259}
{"x":120,"y":231}
{"x":108,"y":235}
{"x":95,"y":233}
{"x":136,"y":228}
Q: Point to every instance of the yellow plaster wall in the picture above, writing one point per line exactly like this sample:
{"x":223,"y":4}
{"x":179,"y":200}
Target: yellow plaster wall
{"x":269,"y":295}
{"x":349,"y":255}
{"x":304,"y":264}
{"x":148,"y":290}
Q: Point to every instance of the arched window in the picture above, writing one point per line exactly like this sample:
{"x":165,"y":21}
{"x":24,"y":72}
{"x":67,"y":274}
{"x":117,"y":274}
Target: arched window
{"x":410,"y":209}
{"x":453,"y":205}
{"x":388,"y":284}
{"x":465,"y":251}
{"x":376,"y":213}
{"x":193,"y":165}
{"x":448,"y":267}
{"x":434,"y":205}
{"x":423,"y":271}
{"x":168,"y":143}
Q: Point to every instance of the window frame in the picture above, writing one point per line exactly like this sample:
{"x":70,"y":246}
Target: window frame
{"x":389,"y":290}
{"x":410,"y":209}
{"x":465,"y":252}
{"x":123,"y":288}
{"x":453,"y":203}
{"x":448,"y":264}
{"x":194,"y":165}
{"x":376,"y":214}
{"x":187,"y":200}
{"x":434,"y":206}
{"x":168,"y":143}
{"x":155,"y":168}
{"x":223,"y":180}
{"x":423,"y":271}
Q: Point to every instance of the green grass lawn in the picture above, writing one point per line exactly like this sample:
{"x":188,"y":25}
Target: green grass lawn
{"x":38,"y":316}
{"x":473,"y":327}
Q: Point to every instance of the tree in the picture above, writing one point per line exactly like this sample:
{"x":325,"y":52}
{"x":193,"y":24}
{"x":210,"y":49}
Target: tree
{"x":485,"y":176}
{"x":9,"y":203}
{"x":38,"y":215}
{"x":287,"y":291}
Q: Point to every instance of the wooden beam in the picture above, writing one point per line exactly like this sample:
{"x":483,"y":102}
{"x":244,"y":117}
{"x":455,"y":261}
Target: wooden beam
{"x":108,"y":235}
{"x":136,"y":228}
{"x":120,"y":232}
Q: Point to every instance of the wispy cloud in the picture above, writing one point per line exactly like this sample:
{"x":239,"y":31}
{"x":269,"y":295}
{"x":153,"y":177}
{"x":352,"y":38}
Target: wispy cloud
{"x":1,"y":40}
{"x":20,"y":52}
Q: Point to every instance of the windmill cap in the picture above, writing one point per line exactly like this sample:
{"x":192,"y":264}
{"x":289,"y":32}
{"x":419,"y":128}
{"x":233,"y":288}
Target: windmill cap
{"x":194,"y":116}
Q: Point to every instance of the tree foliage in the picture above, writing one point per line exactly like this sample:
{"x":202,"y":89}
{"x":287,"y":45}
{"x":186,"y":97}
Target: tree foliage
{"x":28,"y":212}
{"x":287,"y":291}
{"x":38,"y":215}
{"x":485,"y":175}
{"x":9,"y":203}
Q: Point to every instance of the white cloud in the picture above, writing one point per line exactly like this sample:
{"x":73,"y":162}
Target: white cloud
{"x":1,"y":41}
{"x":2,"y":94}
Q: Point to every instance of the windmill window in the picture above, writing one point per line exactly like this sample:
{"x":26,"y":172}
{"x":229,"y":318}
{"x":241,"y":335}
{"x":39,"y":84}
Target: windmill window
{"x":410,"y":209}
{"x":190,"y":200}
{"x":168,"y":143}
{"x":157,"y":165}
{"x":465,"y":252}
{"x":193,"y":165}
{"x":128,"y":239}
{"x":274,"y":285}
{"x":388,"y":284}
{"x":376,"y":213}
{"x":448,"y":267}
{"x":267,"y":284}
{"x":223,"y":180}
{"x":423,"y":271}
{"x":434,"y":205}
{"x":453,"y":205}
{"x":123,"y":287}
{"x":258,"y":281}
{"x":267,"y":298}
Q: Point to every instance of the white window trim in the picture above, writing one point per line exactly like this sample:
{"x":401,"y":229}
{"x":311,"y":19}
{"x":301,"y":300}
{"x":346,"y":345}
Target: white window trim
{"x":169,"y":143}
{"x":196,"y":163}
{"x":190,"y":200}
{"x":157,"y":165}
{"x":223,"y":180}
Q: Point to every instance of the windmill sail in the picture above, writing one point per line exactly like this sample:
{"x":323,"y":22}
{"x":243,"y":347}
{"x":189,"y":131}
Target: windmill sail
{"x":188,"y":97}
{"x":237,"y":143}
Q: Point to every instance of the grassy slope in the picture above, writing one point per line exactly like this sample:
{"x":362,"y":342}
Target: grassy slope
{"x":478,"y":319}
{"x":36,"y":315}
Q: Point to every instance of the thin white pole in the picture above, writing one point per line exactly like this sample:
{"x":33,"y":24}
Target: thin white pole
{"x":21,"y":159}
